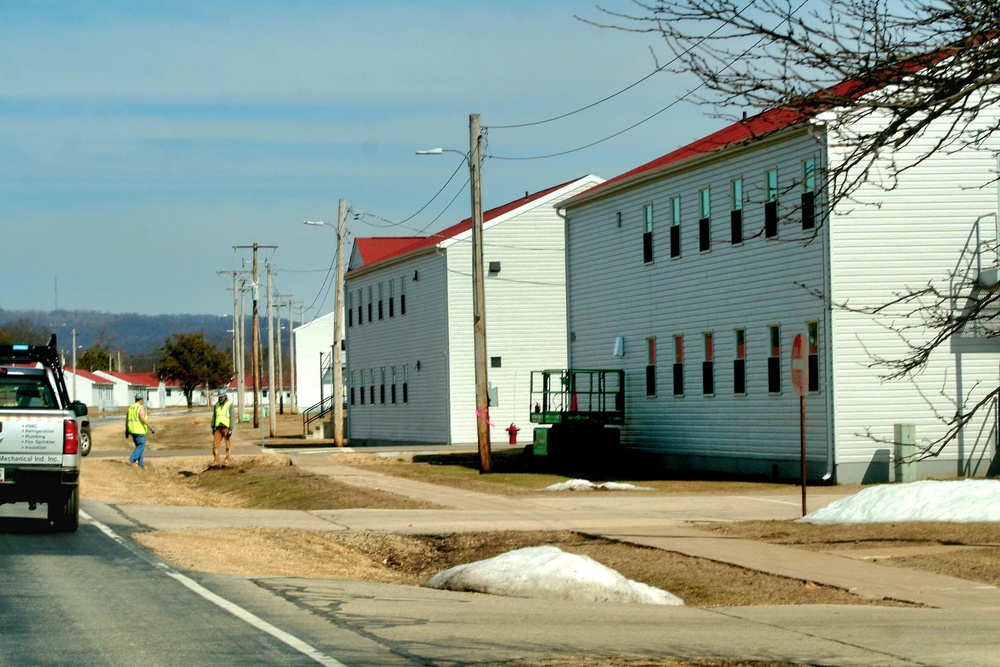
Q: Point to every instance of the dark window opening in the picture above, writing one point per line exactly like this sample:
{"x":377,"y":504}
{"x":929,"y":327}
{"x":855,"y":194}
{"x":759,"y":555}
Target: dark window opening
{"x":402,"y":307}
{"x":770,"y":219}
{"x":380,"y":309}
{"x":392,"y":394}
{"x":362,"y":392}
{"x":381,"y":394}
{"x":371,"y":394}
{"x":808,"y":210}
{"x":495,"y":362}
{"x":679,"y":379}
{"x":736,"y":225}
{"x":370,"y":310}
{"x":352,"y":395}
{"x":704,"y":234}
{"x":647,"y":247}
{"x":675,"y":241}
{"x":406,"y":395}
{"x":350,"y":317}
{"x":813,"y":372}
{"x":651,"y":380}
{"x":774,"y":375}
{"x":739,"y":376}
{"x":391,"y":308}
{"x":360,"y":315}
{"x":708,"y":377}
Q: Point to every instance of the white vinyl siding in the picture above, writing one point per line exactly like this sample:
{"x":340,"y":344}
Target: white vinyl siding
{"x":682,"y":297}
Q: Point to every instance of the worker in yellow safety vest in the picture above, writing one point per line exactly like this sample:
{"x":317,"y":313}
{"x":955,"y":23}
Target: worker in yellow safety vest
{"x":136,"y":427}
{"x":222,"y":427}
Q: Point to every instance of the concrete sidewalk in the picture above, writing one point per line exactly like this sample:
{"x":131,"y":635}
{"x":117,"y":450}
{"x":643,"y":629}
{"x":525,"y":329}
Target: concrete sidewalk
{"x":664,"y":522}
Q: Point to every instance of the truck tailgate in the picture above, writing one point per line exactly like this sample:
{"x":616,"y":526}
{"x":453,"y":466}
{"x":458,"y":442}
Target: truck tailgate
{"x":30,"y":438}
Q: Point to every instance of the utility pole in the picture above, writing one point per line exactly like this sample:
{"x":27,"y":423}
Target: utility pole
{"x":272,"y":418}
{"x":241,"y":358}
{"x":479,"y":296}
{"x":237,"y":337}
{"x":338,"y":325}
{"x":256,"y":333}
{"x":293,"y":396}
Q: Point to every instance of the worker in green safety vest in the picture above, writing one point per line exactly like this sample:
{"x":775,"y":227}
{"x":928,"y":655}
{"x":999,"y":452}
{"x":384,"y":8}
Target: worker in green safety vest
{"x":222,"y":427}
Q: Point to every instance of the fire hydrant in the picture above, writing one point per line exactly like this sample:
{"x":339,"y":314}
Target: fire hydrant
{"x":512,"y":432}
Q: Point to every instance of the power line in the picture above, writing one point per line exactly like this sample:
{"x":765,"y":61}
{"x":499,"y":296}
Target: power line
{"x":625,"y":89}
{"x":653,"y":115}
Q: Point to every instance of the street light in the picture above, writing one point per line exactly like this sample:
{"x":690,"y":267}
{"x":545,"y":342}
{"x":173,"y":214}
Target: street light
{"x":338,"y":307}
{"x":474,"y":159}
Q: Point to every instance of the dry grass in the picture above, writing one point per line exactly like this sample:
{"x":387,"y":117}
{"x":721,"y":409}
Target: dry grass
{"x":968,"y":550}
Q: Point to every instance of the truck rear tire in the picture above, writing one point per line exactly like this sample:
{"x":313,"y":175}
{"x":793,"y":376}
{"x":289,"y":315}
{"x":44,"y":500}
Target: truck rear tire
{"x":64,"y":510}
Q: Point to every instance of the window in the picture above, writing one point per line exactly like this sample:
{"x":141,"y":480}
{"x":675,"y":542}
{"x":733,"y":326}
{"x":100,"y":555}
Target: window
{"x":362,"y":388}
{"x":406,"y":395}
{"x":771,"y":204}
{"x":392,"y":392}
{"x":647,"y":233}
{"x":740,"y":363}
{"x":618,"y":218}
{"x":650,"y":367}
{"x":380,"y":300}
{"x":675,"y":227}
{"x":496,"y":362}
{"x":402,"y":298}
{"x":708,"y":365}
{"x":392,"y":284}
{"x":353,"y":382}
{"x":808,"y":194}
{"x":736,"y":213}
{"x":381,"y":387}
{"x":350,"y":309}
{"x":774,"y":359}
{"x":812,"y":333}
{"x":678,"y":365}
{"x":371,"y":303}
{"x":371,"y":387}
{"x":705,"y":221}
{"x":360,"y":306}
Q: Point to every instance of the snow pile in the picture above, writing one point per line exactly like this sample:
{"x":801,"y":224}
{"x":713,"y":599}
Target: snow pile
{"x":965,"y":501}
{"x":548,"y":572}
{"x":584,"y":485}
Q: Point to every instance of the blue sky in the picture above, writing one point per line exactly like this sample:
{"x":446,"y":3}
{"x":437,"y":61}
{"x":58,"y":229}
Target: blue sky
{"x":141,"y":140}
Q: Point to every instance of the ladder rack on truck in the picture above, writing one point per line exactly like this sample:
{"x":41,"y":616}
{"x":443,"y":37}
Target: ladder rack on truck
{"x":582,"y":408}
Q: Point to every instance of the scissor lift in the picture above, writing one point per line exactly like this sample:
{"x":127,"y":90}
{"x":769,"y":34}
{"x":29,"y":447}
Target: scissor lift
{"x":580,"y":411}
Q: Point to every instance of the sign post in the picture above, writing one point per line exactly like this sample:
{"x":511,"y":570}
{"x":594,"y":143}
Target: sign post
{"x":800,"y":380}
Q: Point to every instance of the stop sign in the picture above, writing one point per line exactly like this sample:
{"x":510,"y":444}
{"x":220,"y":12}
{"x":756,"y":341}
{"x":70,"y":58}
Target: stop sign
{"x":800,"y":366}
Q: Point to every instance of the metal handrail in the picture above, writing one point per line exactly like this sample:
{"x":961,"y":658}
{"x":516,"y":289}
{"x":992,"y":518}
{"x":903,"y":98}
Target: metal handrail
{"x":316,"y":412}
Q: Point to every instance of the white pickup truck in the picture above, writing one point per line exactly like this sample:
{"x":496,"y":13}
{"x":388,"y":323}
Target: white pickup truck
{"x":39,"y":434}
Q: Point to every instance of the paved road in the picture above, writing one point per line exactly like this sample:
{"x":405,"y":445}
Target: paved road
{"x":85,"y":599}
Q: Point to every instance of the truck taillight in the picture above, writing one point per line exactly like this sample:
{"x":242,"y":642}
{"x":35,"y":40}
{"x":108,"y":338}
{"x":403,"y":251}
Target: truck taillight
{"x":71,"y":437}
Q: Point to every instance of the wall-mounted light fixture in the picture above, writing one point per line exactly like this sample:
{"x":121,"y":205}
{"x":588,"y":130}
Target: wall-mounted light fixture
{"x":494,"y":268}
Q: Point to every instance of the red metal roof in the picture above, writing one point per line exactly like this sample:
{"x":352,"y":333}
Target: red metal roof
{"x":87,"y":375}
{"x":374,"y":250}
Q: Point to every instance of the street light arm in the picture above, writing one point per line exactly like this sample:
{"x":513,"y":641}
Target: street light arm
{"x":439,"y":151}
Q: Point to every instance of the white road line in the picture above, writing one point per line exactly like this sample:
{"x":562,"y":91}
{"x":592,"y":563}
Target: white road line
{"x":234,"y":609}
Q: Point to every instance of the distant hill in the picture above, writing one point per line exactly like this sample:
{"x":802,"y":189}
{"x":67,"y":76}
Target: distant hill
{"x":135,"y":335}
